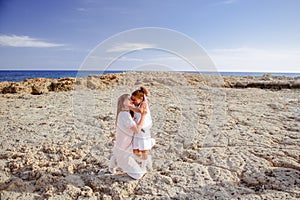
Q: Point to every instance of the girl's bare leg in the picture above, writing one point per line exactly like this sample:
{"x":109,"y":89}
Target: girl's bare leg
{"x":146,"y":159}
{"x":137,"y":152}
{"x":144,"y":154}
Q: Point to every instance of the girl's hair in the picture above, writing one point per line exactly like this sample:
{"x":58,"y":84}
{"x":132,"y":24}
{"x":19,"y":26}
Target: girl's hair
{"x":120,"y":105}
{"x":139,"y":93}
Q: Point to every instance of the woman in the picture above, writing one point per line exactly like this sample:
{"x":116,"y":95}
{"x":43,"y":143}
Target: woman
{"x":122,"y":156}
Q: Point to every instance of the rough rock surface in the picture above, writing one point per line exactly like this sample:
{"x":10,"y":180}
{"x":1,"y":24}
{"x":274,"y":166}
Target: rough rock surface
{"x":211,"y":143}
{"x":266,"y":81}
{"x":39,"y":86}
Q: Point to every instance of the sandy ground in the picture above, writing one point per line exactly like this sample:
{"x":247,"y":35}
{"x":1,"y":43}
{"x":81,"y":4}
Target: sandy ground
{"x":212,"y":142}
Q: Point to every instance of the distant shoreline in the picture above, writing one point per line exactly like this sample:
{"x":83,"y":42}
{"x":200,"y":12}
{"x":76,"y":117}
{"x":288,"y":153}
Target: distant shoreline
{"x":44,"y":85}
{"x":21,"y":75}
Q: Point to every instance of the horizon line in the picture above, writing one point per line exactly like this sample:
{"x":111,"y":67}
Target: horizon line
{"x":122,"y":70}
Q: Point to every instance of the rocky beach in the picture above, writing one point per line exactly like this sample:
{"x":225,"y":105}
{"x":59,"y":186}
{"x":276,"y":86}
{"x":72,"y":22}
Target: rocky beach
{"x":216,"y":137}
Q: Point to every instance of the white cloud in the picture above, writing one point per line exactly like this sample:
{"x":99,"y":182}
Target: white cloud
{"x":125,"y":47}
{"x":129,"y":59}
{"x":224,"y":2}
{"x":24,"y":41}
{"x":254,"y":59}
{"x":82,"y":9}
{"x":228,"y":1}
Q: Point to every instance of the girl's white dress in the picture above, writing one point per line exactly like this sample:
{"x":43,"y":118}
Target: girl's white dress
{"x":143,"y":140}
{"x":122,"y":156}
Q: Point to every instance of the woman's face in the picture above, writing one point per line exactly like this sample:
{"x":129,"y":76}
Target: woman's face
{"x":136,"y":101}
{"x":127,"y":102}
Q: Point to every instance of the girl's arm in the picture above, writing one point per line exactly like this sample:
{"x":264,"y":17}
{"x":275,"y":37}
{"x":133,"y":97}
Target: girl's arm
{"x":134,"y":109}
{"x":139,"y":110}
{"x":138,"y":127}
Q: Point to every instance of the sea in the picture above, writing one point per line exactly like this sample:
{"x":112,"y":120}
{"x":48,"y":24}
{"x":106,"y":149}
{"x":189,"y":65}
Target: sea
{"x":20,"y":75}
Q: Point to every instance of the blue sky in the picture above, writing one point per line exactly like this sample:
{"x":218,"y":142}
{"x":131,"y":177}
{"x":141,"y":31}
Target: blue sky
{"x":238,"y":35}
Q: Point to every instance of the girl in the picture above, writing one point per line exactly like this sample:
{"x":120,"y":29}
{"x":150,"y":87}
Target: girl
{"x":122,"y":155}
{"x":142,"y":142}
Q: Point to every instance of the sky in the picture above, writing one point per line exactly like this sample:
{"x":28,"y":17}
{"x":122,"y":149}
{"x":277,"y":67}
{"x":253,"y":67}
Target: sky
{"x":237,"y":35}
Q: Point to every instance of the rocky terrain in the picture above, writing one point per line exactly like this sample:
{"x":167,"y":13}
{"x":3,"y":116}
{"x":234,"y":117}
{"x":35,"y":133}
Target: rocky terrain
{"x":216,"y":137}
{"x":39,"y":86}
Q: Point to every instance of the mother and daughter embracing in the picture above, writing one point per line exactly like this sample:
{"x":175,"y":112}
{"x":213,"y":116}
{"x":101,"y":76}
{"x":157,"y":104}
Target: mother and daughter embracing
{"x":133,"y":138}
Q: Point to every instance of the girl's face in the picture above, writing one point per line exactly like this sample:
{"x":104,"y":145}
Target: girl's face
{"x":127,"y":102}
{"x":136,"y":101}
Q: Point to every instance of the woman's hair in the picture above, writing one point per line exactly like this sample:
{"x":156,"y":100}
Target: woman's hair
{"x":139,"y":93}
{"x":120,"y":105}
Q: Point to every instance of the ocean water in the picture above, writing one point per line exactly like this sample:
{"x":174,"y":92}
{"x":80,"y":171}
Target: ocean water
{"x":18,"y":75}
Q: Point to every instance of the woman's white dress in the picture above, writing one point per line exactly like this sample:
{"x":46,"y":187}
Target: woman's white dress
{"x":123,"y":156}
